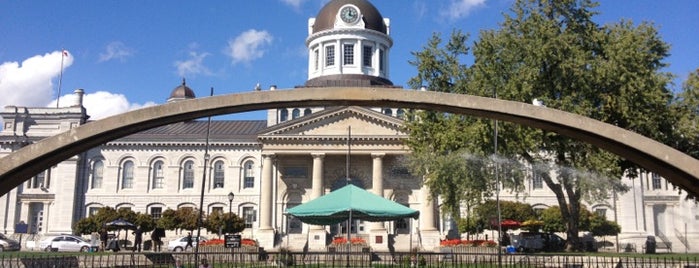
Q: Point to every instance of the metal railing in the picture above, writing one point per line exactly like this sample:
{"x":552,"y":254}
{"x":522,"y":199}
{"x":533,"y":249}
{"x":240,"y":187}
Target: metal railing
{"x":328,"y":259}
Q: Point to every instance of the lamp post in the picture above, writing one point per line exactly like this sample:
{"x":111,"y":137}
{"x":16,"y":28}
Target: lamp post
{"x":230,"y":202}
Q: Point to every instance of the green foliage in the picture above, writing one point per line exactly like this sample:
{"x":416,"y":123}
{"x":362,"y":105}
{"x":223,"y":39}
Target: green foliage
{"x":554,"y":222}
{"x":600,"y":226}
{"x":168,"y":220}
{"x":186,"y":218}
{"x":224,"y":222}
{"x":552,"y":51}
{"x":97,"y":221}
{"x":686,"y":106}
{"x":517,"y":211}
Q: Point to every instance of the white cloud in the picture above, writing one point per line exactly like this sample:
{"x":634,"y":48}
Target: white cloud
{"x":31,"y":82}
{"x":192,"y":66}
{"x":115,"y":50}
{"x":102,"y":104}
{"x":296,"y":4}
{"x":461,"y":8}
{"x":248,"y":46}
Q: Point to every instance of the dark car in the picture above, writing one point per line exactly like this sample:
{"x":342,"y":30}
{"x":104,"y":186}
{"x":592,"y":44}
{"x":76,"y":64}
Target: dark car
{"x":535,"y":241}
{"x":8,"y":244}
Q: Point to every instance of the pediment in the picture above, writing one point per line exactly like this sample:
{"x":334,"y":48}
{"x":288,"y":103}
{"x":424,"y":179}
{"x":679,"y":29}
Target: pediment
{"x":338,"y":122}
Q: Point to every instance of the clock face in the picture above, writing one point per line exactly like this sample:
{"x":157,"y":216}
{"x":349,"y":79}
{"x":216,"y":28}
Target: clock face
{"x":349,"y":14}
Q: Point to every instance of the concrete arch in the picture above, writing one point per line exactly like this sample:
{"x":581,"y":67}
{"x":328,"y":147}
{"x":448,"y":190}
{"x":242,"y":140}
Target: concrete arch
{"x":675,"y":166}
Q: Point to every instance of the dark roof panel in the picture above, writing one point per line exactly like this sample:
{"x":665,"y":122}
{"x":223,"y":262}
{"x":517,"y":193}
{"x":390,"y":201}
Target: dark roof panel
{"x":233,"y":131}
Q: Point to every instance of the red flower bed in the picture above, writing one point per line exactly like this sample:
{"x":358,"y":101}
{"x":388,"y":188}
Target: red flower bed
{"x":469,"y":243}
{"x":353,"y":241}
{"x":217,"y":242}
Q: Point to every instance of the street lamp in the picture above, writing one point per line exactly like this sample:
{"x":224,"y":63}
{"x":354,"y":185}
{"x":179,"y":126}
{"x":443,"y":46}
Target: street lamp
{"x":230,"y":202}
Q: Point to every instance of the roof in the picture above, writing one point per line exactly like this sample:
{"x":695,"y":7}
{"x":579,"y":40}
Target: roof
{"x":350,"y":201}
{"x":181,"y":92}
{"x":192,"y":131}
{"x":325,"y":20}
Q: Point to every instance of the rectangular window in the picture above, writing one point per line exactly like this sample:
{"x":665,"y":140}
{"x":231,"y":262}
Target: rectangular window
{"x":92,"y":211}
{"x":657,"y":185}
{"x":127,"y":177}
{"x":330,"y":56}
{"x":382,"y":61}
{"x":602,"y":212}
{"x":249,"y":214}
{"x":249,"y":175}
{"x":316,"y":58}
{"x":158,"y":176}
{"x":218,"y":210}
{"x":348,"y":54}
{"x":156,"y":212}
{"x":367,"y":55}
{"x":97,"y":174}
{"x":249,"y":182}
{"x":218,"y":174}
{"x":188,"y":180}
{"x":537,"y":181}
{"x":39,"y":181}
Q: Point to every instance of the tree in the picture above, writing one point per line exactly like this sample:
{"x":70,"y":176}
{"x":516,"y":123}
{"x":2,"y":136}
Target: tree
{"x":600,"y":226}
{"x":686,"y":106}
{"x":97,"y":221}
{"x":218,"y":223}
{"x":553,"y":222}
{"x":554,"y":52}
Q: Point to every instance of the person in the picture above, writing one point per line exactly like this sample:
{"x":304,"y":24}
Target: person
{"x":155,"y":237}
{"x":178,"y":263}
{"x":104,"y":236}
{"x":138,"y":240}
{"x":189,"y":241}
{"x":204,"y":264}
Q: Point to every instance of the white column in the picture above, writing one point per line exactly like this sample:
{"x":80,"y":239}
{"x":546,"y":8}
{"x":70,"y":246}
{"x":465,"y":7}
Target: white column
{"x":24,"y":215}
{"x":265,"y":234}
{"x":428,"y":233}
{"x":266,"y":199}
{"x":379,"y":235}
{"x":317,"y":184}
{"x":316,"y":233}
{"x":47,"y":206}
{"x":377,"y":182}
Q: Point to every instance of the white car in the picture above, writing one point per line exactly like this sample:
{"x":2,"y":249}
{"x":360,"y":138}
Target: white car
{"x":64,"y":243}
{"x":178,"y":244}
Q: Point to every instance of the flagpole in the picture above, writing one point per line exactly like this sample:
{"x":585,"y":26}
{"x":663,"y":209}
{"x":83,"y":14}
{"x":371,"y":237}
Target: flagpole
{"x":347,"y":181}
{"x":60,"y":77}
{"x":203,"y":186}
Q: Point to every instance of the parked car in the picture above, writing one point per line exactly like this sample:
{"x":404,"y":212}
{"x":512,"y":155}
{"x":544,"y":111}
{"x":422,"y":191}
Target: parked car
{"x":8,"y":244}
{"x":64,"y":243}
{"x":535,"y":241}
{"x":178,"y":244}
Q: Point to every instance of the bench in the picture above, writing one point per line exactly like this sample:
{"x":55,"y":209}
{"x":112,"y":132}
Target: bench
{"x":660,"y":245}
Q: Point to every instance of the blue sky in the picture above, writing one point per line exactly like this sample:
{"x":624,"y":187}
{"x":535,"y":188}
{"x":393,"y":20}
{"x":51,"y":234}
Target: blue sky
{"x":128,"y":54}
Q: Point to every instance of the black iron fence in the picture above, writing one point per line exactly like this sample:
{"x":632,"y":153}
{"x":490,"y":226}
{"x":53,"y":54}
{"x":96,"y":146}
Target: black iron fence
{"x":335,"y":259}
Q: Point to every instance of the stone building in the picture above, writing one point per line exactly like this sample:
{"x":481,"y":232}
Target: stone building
{"x":302,"y":153}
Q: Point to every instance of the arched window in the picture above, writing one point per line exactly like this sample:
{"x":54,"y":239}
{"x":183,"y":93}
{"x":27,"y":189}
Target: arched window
{"x":307,"y":112}
{"x":127,"y":175}
{"x":219,"y":175}
{"x":249,"y":174}
{"x":97,"y":174}
{"x":188,"y":175}
{"x":158,"y":175}
{"x":295,"y":113}
{"x":400,"y":113}
{"x":283,"y":115}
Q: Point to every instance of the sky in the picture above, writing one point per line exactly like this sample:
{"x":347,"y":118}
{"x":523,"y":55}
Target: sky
{"x":129,"y":54}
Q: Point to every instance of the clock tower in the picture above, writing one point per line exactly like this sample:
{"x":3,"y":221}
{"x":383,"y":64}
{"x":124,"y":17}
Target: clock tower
{"x":348,"y":44}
